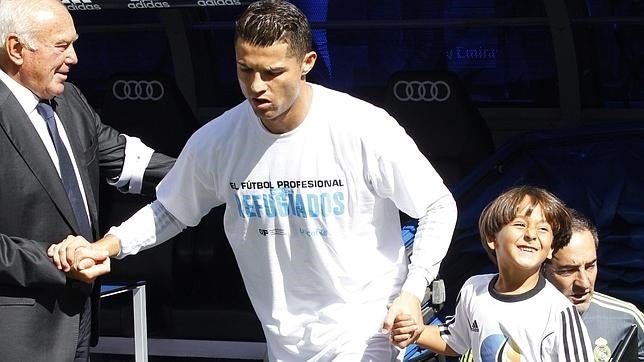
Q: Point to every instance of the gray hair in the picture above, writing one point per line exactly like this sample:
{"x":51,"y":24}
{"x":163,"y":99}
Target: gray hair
{"x":16,"y":16}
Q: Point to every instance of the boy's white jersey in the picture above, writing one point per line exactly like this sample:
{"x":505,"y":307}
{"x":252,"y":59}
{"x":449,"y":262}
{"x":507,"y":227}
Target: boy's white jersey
{"x":539,"y":325}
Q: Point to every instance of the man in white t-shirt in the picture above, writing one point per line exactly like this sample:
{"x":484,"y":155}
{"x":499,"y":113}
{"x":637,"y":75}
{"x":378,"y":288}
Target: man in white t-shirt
{"x":313,"y":181}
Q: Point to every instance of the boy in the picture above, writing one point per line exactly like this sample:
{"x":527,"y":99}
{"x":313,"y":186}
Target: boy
{"x":515,"y":315}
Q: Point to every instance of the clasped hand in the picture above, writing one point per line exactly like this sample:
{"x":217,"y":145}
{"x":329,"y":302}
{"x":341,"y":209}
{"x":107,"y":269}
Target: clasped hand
{"x":79,"y":259}
{"x":404,"y":320}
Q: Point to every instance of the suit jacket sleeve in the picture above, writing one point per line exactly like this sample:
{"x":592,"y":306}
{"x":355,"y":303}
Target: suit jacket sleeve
{"x":25,"y":263}
{"x":111,"y":153}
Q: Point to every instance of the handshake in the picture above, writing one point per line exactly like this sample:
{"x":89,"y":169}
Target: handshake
{"x":80,"y":259}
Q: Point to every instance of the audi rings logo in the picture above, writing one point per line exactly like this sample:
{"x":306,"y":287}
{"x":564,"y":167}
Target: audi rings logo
{"x":422,"y":91}
{"x":138,"y":90}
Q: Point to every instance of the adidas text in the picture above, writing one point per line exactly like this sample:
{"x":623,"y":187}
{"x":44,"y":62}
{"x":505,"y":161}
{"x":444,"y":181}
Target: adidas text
{"x":217,"y":2}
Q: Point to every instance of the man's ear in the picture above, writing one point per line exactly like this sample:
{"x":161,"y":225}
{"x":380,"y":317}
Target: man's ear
{"x":308,"y":62}
{"x":14,"y":49}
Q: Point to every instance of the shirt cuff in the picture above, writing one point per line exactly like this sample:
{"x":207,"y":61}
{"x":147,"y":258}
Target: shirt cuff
{"x":137,"y":158}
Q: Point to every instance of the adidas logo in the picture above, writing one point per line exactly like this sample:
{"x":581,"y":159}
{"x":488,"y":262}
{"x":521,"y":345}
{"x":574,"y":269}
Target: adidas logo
{"x":147,"y":4}
{"x":217,"y":2}
{"x":80,"y":5}
{"x":474,"y":327}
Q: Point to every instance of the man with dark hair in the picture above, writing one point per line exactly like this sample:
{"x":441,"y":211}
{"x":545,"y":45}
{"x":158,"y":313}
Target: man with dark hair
{"x":573,"y":270}
{"x":313,"y":180}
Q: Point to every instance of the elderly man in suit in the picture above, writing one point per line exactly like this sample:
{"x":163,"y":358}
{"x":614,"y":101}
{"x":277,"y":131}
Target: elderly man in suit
{"x":52,"y":145}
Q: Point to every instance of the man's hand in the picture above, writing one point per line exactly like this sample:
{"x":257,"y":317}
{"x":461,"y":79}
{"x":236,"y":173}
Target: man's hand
{"x":80,"y":259}
{"x":92,"y":263}
{"x":405,"y":307}
{"x":403,"y":330}
{"x":75,"y":252}
{"x":63,"y":254}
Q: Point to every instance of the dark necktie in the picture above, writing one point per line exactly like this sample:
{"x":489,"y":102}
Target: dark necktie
{"x":67,"y":174}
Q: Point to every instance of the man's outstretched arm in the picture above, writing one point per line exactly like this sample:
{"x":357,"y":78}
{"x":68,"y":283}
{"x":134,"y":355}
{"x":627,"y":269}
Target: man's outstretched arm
{"x":148,"y":227}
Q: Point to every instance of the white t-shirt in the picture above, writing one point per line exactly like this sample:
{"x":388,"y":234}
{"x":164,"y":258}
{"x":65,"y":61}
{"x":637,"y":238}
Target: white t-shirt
{"x":539,"y":325}
{"x":312,"y":217}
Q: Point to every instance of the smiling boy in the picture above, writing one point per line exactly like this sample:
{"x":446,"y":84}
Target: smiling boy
{"x":515,"y":315}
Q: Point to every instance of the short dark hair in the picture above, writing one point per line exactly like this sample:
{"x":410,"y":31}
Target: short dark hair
{"x":505,"y":207}
{"x":266,"y":22}
{"x":580,"y":223}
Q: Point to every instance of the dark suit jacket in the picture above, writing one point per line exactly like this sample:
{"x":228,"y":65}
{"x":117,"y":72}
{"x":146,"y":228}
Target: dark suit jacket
{"x":39,"y":307}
